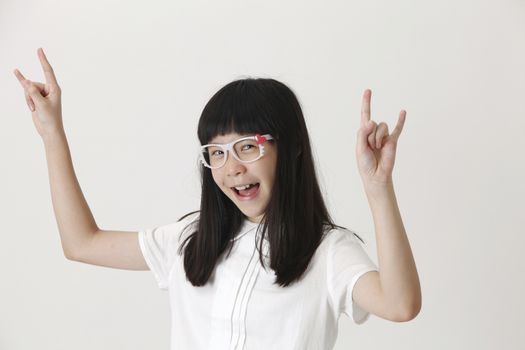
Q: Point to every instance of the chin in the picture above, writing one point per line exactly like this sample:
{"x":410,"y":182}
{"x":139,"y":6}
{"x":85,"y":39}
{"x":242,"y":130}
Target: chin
{"x":250,"y":208}
{"x":252,"y":214}
{"x":248,"y":212}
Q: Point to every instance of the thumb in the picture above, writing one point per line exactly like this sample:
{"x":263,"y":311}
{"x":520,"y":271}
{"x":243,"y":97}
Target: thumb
{"x":33,"y":91}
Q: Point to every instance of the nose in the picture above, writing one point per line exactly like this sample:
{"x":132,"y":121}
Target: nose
{"x":233,"y":166}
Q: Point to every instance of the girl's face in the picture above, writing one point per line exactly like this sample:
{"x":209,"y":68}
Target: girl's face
{"x":235,"y":173}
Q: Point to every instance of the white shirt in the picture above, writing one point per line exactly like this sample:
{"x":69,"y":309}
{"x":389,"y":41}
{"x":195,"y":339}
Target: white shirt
{"x":241,"y":308}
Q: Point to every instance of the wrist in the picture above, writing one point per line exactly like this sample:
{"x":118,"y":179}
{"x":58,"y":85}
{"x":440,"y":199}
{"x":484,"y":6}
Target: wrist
{"x":53,"y":139}
{"x":376,"y":190}
{"x":378,"y":185}
{"x":53,"y":136}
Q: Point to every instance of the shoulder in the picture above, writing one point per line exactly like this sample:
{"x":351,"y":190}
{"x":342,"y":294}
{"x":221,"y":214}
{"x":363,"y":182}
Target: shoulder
{"x":175,"y":229}
{"x":189,"y":218}
{"x":184,"y":225}
{"x":339,"y":236}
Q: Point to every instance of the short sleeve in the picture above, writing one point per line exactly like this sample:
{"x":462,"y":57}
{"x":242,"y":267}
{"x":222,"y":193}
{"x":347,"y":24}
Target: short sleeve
{"x":346,"y":262}
{"x":159,"y":246}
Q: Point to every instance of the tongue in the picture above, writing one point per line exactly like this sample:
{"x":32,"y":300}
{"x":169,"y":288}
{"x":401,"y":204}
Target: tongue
{"x":249,"y":192}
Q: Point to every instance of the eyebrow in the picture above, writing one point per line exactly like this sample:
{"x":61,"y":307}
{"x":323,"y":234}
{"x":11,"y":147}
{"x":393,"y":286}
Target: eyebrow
{"x":222,"y":143}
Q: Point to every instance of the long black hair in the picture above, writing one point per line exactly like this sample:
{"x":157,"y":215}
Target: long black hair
{"x":296,"y":216}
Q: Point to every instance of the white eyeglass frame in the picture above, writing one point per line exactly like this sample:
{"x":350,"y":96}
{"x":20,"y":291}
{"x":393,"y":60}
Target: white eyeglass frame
{"x":228,"y":148}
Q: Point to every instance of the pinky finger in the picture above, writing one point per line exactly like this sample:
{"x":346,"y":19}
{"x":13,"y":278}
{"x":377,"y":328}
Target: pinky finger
{"x":30,"y":103}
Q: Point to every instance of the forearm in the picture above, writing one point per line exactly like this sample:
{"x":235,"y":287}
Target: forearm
{"x":74,"y":219}
{"x":397,"y":269}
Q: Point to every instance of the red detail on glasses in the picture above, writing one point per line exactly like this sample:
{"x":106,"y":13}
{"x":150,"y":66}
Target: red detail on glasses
{"x":260,"y":139}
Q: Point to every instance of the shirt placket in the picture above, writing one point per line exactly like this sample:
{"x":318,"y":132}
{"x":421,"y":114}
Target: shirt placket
{"x":239,"y":312}
{"x":228,"y":326}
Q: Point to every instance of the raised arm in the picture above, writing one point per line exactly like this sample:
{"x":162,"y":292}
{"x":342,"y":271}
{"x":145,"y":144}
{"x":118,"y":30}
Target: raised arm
{"x":81,"y":238}
{"x":394,"y":292}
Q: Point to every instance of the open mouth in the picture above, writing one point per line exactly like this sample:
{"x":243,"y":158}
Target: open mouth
{"x":247,"y":191}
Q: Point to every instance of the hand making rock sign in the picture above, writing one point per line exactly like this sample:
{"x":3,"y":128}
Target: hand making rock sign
{"x":43,"y":99}
{"x":376,"y":149}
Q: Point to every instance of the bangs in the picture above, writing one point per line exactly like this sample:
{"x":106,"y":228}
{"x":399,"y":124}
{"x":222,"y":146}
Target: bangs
{"x":239,"y":107}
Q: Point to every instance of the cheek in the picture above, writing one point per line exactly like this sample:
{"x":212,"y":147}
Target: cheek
{"x":269,"y":173}
{"x":217,"y":178}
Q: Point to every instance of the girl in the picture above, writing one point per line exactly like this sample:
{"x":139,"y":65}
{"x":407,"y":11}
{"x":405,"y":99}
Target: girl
{"x":261,"y":265}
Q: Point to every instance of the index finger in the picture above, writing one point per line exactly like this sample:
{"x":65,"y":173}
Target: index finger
{"x":21,"y":78}
{"x":365,"y":107}
{"x":48,"y":70}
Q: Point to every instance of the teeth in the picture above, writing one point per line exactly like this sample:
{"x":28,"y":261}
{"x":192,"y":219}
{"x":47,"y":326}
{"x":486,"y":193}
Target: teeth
{"x":239,"y":188}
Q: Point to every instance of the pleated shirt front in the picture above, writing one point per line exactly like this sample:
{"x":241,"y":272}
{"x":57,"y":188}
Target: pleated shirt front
{"x":240,"y":307}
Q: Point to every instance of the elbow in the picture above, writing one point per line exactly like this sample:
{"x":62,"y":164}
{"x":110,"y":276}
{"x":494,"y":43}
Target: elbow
{"x":68,"y":255}
{"x":408,"y":313}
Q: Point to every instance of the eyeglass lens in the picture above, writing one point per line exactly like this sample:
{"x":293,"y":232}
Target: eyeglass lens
{"x":246,"y":150}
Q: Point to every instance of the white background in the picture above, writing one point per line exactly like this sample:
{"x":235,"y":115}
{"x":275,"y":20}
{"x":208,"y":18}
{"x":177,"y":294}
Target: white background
{"x":135,"y":76}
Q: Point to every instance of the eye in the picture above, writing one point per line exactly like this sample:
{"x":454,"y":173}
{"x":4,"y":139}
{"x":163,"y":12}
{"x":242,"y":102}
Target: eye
{"x":247,"y":147}
{"x":215,"y":154}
